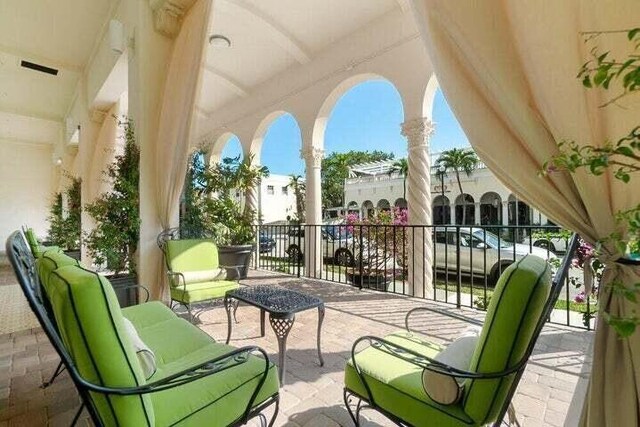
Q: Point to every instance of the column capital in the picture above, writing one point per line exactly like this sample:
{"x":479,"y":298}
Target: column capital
{"x":313,"y":156}
{"x":418,"y":131}
{"x":167,"y":15}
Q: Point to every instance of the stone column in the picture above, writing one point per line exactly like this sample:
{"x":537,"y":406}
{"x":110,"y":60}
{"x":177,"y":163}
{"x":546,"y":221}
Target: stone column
{"x":418,"y":131}
{"x":313,"y":236}
{"x":476,"y":214}
{"x":505,"y":213}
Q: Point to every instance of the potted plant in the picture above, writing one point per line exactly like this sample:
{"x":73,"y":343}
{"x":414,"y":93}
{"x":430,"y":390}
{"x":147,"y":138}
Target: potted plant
{"x":113,"y":242}
{"x":65,"y":230}
{"x":231,"y":224}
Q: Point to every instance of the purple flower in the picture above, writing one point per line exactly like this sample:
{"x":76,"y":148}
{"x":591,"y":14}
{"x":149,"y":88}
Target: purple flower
{"x":580,"y":298}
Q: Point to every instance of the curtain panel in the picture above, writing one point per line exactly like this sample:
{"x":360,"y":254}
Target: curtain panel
{"x":508,"y":70}
{"x":177,"y":118}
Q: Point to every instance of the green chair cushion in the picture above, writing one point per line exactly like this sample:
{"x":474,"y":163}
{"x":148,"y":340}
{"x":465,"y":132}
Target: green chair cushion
{"x":397,"y":387}
{"x":90,"y":322}
{"x":148,"y":314}
{"x":196,"y":292}
{"x":191,"y":255}
{"x":49,"y":261}
{"x":30,"y":235}
{"x":516,"y":307}
{"x":217,"y":400}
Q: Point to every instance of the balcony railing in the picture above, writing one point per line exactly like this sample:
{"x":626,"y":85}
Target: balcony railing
{"x":466,"y":260}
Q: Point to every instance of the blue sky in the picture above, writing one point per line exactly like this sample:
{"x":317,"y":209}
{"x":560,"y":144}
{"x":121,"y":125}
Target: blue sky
{"x":367,"y":117}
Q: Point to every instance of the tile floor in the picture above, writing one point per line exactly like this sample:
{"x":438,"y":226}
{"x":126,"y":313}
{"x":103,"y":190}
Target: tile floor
{"x":312,"y":395}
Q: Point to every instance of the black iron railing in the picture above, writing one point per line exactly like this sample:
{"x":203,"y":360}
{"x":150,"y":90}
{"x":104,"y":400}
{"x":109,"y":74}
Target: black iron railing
{"x":448,"y":263}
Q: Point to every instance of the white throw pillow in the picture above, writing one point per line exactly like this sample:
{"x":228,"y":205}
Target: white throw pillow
{"x":146,"y":357}
{"x":445,"y":389}
{"x":205,"y":275}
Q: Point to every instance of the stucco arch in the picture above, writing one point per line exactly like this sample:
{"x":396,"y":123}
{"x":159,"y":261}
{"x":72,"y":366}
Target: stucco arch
{"x":255,"y":146}
{"x":322,"y":118}
{"x":215,"y":150}
{"x":429,"y":97}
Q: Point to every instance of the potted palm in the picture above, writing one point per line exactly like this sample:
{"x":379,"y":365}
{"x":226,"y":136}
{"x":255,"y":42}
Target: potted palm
{"x":65,"y":230}
{"x":224,"y":216}
{"x":114,"y":240}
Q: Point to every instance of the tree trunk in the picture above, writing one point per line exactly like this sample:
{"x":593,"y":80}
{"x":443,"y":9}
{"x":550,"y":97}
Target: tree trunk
{"x":464,"y":199}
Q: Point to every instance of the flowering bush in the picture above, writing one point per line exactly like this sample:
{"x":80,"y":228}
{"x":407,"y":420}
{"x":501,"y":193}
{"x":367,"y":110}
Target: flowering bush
{"x":381,"y":246}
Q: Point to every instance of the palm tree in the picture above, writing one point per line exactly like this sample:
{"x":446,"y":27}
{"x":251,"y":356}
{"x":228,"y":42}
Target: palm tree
{"x":459,"y":160}
{"x":298,"y":186}
{"x":401,"y":166}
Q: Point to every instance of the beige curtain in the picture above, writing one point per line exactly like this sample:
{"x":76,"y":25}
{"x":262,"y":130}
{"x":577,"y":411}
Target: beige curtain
{"x":508,"y":69}
{"x":177,"y":116}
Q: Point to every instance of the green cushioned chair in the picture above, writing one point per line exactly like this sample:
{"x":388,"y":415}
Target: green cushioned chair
{"x":386,"y":373}
{"x":37,"y":249}
{"x":191,"y":266}
{"x":196,"y":382}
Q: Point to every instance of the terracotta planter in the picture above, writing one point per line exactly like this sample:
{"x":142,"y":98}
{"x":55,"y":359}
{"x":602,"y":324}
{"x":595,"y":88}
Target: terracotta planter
{"x":240,"y":255}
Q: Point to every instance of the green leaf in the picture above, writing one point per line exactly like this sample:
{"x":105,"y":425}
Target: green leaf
{"x":586,"y":81}
{"x":632,"y":33}
{"x":600,"y":76}
{"x":625,"y":151}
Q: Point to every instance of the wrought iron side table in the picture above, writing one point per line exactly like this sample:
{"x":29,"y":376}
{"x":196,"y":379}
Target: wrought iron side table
{"x":282,"y":305}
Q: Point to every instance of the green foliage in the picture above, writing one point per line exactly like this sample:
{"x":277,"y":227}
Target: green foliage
{"x":65,"y":232}
{"x":299,"y":190}
{"x":210,"y":202}
{"x":459,"y":160}
{"x":335,"y":169}
{"x":56,"y":221}
{"x":621,"y":158}
{"x":114,"y":240}
{"x":401,"y":166}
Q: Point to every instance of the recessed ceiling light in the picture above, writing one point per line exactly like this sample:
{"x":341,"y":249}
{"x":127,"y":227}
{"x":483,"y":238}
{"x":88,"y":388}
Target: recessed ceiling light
{"x":218,"y":40}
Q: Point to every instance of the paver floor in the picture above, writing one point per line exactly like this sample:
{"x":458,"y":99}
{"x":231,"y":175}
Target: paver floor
{"x":312,"y":395}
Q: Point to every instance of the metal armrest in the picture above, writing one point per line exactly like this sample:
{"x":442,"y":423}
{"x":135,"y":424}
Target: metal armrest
{"x":171,"y":275}
{"x":137,"y":286}
{"x":442,"y":312}
{"x":230,"y":360}
{"x":422,"y":361}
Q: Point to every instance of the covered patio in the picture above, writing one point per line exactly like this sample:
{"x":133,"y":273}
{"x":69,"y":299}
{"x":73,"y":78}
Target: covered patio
{"x":312,"y":395}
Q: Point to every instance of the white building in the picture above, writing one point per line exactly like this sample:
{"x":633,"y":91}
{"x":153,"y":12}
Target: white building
{"x":276,"y":199}
{"x":371,"y":187}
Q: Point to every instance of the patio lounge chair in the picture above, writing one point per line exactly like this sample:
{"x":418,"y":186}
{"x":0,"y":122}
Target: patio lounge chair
{"x":389,"y":374}
{"x":37,"y":249}
{"x":195,"y":274}
{"x":196,"y":381}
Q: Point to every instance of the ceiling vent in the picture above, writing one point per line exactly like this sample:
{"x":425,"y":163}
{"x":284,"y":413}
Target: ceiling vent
{"x":38,"y":67}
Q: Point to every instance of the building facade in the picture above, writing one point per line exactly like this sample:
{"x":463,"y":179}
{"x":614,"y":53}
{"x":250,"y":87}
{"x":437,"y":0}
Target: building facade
{"x":485,"y":200}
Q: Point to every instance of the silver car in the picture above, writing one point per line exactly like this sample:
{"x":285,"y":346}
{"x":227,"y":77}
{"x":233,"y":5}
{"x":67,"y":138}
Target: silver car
{"x":337,"y":243}
{"x":481,"y":251}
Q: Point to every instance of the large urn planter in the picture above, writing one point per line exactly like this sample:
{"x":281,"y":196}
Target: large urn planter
{"x":122,"y":284}
{"x":236,"y":255}
{"x":73,"y":253}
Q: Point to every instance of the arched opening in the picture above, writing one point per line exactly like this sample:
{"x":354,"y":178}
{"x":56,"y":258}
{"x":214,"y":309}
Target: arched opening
{"x":383,"y":205}
{"x":231,"y":148}
{"x":352,"y":207}
{"x":276,"y":145}
{"x":366,"y":101}
{"x":441,"y":210}
{"x":519,"y":212}
{"x":490,"y":209}
{"x":400,"y":203}
{"x":367,"y":209}
{"x":465,"y":210}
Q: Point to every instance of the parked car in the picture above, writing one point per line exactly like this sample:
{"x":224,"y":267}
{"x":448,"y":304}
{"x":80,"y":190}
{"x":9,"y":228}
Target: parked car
{"x":556,"y":244}
{"x":481,"y":252}
{"x":337,"y":243}
{"x":266,"y":243}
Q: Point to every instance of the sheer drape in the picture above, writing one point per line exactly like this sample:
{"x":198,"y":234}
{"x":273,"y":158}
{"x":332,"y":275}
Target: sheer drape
{"x":508,"y":70}
{"x":177,"y":116}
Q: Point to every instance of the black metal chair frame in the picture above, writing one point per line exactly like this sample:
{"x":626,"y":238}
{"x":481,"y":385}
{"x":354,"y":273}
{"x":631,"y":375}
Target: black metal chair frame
{"x":177,"y":233}
{"x":23,"y":264}
{"x":410,"y":356}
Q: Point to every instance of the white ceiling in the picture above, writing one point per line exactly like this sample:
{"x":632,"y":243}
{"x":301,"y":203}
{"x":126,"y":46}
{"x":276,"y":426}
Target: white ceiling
{"x":270,"y":36}
{"x":56,"y":33}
